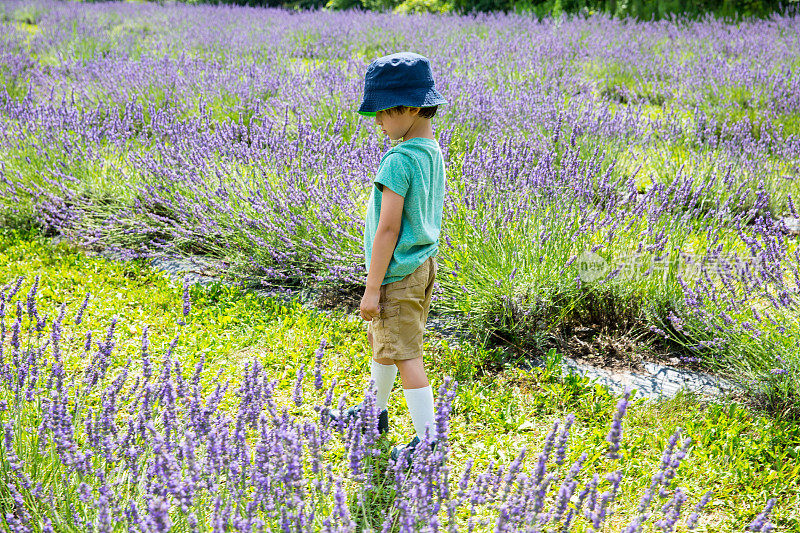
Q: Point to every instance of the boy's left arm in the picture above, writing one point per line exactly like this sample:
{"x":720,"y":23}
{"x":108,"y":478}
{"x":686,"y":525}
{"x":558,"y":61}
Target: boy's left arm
{"x":382,"y":249}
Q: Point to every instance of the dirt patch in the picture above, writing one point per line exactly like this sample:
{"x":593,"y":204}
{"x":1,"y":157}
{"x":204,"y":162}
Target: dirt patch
{"x":591,"y":346}
{"x":622,"y":351}
{"x":346,"y":297}
{"x":603,"y":347}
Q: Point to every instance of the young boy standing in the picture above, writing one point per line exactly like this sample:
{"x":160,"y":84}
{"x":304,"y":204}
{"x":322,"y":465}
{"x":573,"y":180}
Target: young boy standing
{"x":401,"y":234}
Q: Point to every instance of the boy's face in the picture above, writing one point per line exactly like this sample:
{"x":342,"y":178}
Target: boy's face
{"x":398,"y":124}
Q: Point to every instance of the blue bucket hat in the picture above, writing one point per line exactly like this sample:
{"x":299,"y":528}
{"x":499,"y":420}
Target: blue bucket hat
{"x":399,"y":79}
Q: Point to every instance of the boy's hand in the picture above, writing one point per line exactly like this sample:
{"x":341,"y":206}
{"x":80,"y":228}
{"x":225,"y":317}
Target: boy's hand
{"x":369,"y":304}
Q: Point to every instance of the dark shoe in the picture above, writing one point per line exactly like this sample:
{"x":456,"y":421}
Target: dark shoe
{"x":355,"y":411}
{"x":397,"y":451}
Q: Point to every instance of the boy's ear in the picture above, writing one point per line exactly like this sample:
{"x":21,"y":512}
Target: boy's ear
{"x":414,"y":110}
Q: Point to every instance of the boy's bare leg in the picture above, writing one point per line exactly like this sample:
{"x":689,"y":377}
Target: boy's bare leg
{"x":412,"y":372}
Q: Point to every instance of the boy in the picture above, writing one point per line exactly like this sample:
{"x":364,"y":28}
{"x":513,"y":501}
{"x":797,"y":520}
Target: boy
{"x":401,"y":234}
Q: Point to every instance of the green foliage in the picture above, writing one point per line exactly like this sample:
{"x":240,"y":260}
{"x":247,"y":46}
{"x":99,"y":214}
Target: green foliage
{"x":398,"y":6}
{"x":29,"y":14}
{"x":338,"y":5}
{"x":424,"y":6}
{"x":650,"y":9}
{"x":13,"y":84}
{"x":641,"y":9}
{"x":470,"y":6}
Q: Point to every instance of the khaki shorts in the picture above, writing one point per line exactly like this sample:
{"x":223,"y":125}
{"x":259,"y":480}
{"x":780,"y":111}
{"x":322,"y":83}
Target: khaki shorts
{"x":404,"y":305}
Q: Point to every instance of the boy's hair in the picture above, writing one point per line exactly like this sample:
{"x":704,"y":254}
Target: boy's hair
{"x":424,"y":112}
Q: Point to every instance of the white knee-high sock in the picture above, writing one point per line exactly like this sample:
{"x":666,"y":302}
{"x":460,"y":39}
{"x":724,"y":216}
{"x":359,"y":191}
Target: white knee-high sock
{"x":383,"y":376}
{"x":420,"y":406}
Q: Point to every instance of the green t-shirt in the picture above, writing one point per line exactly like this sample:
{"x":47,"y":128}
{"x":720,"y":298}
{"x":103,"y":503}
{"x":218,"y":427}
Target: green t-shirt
{"x":414,"y":169}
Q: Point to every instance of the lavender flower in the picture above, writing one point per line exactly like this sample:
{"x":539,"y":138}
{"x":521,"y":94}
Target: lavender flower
{"x":566,"y":490}
{"x":691,"y":522}
{"x":672,"y":511}
{"x":187,"y":301}
{"x":87,"y":345}
{"x":615,"y":433}
{"x":79,"y":314}
{"x":15,"y":289}
{"x":541,"y":465}
{"x":761,"y":522}
{"x":32,"y":310}
{"x":319,"y":354}
{"x":297,"y":394}
{"x":561,"y":444}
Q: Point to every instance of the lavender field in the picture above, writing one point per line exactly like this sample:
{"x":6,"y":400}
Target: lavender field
{"x":639,"y":178}
{"x":670,"y":150}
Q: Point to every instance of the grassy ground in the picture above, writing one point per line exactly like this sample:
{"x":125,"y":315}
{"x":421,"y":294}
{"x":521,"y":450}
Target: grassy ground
{"x":744,"y":457}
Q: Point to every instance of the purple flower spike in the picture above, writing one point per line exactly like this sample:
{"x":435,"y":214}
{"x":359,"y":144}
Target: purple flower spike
{"x":32,"y":311}
{"x":566,"y":490}
{"x":319,"y":354}
{"x":544,"y":456}
{"x":672,"y":511}
{"x":79,"y":314}
{"x":444,"y":406}
{"x":615,"y":433}
{"x":761,"y":522}
{"x":17,"y":286}
{"x":561,"y":444}
{"x":297,"y":394}
{"x":187,"y":301}
{"x":147,"y":369}
{"x":88,"y":344}
{"x":692,"y":520}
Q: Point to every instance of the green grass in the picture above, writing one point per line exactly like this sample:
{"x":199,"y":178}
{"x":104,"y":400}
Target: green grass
{"x":744,"y":457}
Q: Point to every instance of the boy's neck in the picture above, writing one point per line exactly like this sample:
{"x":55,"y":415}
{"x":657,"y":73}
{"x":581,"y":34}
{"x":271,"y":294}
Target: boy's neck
{"x":420,"y":128}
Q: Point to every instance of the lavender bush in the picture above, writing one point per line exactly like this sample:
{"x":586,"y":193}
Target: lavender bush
{"x":145,"y":447}
{"x":669,"y":149}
